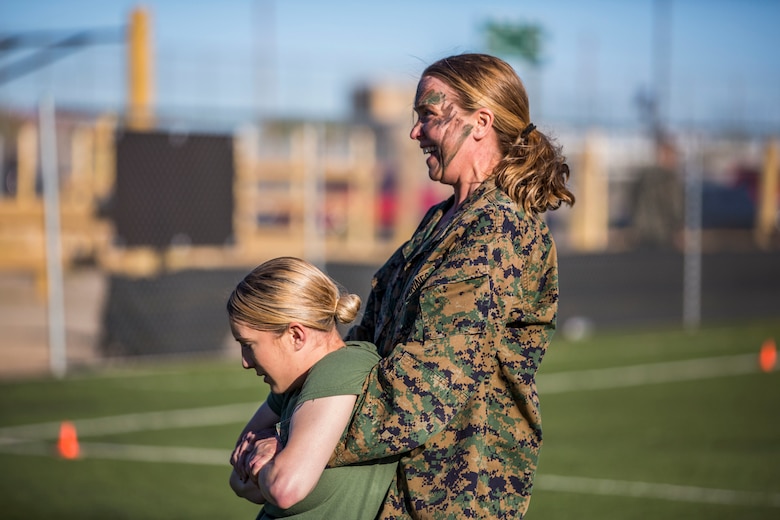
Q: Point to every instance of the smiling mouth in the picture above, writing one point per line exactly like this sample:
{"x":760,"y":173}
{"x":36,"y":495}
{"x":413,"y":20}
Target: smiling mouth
{"x":429,"y":149}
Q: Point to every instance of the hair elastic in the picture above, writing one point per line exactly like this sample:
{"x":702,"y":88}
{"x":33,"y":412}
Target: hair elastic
{"x":527,"y":130}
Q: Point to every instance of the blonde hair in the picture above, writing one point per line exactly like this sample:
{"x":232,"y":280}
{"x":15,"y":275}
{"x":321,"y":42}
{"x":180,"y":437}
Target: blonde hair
{"x":532,"y":171}
{"x":286,"y":289}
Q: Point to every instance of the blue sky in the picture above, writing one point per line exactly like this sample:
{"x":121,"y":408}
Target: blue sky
{"x":303,"y":57}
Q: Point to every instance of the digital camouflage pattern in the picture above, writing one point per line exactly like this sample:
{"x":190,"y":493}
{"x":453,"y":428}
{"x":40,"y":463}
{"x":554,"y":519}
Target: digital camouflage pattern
{"x":462,"y":317}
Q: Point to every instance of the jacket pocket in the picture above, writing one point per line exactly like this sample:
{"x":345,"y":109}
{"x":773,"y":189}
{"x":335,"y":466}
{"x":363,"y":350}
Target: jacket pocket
{"x":455,"y":306}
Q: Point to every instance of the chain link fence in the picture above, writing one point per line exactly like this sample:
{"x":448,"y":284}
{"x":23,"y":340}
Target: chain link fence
{"x":171,"y":220}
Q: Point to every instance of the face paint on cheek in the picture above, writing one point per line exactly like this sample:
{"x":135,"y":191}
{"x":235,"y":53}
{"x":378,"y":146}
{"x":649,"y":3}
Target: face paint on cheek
{"x":448,"y":115}
{"x":449,"y":153}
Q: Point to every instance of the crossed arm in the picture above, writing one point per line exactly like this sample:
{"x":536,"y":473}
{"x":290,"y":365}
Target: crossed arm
{"x":265,"y":471}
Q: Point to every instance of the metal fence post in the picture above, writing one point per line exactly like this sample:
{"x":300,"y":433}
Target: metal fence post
{"x":692,"y":247}
{"x":51,"y":194}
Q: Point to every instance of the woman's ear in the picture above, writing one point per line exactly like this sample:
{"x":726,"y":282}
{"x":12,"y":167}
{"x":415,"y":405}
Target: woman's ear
{"x":483,"y":123}
{"x":297,"y":334}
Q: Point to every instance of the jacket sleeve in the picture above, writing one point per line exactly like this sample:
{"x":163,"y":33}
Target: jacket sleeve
{"x":462,"y":315}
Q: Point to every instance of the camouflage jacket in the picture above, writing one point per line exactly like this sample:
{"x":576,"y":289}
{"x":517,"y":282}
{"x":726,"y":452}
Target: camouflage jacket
{"x":462,"y":317}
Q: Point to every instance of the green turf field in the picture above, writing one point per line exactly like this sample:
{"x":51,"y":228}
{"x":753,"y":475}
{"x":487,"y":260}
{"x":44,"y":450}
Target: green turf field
{"x":662,"y":424}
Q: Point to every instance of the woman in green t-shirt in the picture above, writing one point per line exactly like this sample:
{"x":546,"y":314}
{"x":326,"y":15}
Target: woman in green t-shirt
{"x":284,"y":315}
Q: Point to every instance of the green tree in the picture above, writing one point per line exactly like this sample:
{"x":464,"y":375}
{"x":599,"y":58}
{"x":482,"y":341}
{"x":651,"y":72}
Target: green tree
{"x":516,"y":39}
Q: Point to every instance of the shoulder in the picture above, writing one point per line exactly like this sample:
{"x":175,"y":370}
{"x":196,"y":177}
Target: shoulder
{"x":501,"y":237}
{"x":495,"y":218}
{"x":340,"y":372}
{"x":354,"y":352}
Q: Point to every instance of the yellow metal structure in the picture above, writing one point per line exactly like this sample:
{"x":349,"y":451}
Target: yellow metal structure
{"x":140,"y":114}
{"x":767,"y":212}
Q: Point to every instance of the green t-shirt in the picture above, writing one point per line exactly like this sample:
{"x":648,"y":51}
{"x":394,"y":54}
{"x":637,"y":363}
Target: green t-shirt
{"x":344,"y":493}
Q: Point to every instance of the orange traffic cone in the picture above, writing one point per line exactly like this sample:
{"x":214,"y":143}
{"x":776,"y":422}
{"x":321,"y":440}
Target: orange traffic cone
{"x":767,"y":357}
{"x":68,"y":442}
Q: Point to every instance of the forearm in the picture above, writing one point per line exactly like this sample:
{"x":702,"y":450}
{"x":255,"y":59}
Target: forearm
{"x":461,"y":317}
{"x":255,"y":430}
{"x":407,"y":401}
{"x":280,"y":485}
{"x":293,"y":472}
{"x":246,"y":489}
{"x":262,"y":419}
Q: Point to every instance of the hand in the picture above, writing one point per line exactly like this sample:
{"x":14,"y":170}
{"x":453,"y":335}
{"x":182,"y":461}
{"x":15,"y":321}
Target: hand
{"x":247,"y":490}
{"x":264,"y":451}
{"x":239,"y":459}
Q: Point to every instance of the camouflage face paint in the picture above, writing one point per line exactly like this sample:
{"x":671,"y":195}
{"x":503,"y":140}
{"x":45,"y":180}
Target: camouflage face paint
{"x":441,"y":125}
{"x":431,"y":98}
{"x":449,"y":153}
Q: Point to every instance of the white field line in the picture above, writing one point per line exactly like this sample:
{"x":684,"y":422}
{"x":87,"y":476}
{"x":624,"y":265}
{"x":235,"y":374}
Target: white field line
{"x":699,"y":495}
{"x":114,"y":424}
{"x":648,"y":374}
{"x":27,"y":439}
{"x":554,"y":483}
{"x":606,"y":378}
{"x":131,"y":452}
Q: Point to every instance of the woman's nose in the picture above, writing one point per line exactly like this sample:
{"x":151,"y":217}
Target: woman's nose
{"x":416,"y":131}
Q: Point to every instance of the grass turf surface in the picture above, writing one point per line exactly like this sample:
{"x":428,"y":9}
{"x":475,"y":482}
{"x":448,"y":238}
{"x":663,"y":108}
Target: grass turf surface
{"x":717,"y":433}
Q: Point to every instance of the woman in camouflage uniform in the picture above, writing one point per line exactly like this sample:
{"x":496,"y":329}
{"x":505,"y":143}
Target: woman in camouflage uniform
{"x":463,"y":312}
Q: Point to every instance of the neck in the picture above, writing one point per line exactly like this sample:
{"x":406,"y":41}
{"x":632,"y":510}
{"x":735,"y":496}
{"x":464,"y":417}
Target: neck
{"x":318,"y":345}
{"x":462,"y":192}
{"x":482,"y":168}
{"x":333,"y":340}
{"x":323,"y":343}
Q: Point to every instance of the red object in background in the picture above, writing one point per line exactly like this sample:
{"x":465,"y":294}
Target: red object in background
{"x":767,"y":358}
{"x":68,"y":442}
